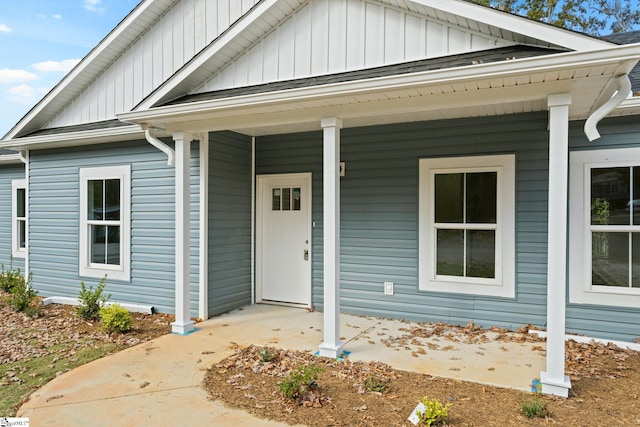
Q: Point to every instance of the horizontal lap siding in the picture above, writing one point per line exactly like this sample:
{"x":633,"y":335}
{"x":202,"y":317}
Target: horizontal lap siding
{"x":229,"y":221}
{"x":379,"y":213}
{"x":7,"y":174}
{"x":54,"y":223}
{"x":617,"y":323}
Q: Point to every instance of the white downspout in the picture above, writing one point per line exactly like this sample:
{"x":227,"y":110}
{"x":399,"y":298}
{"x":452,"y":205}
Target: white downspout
{"x":253,"y":220}
{"x":171,"y":154}
{"x":624,"y":88}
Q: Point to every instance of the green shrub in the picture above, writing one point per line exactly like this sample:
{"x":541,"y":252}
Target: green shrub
{"x":91,"y":300}
{"x":266,"y":354}
{"x":24,"y":297}
{"x":299,"y":381}
{"x":376,"y":385}
{"x":116,"y":318}
{"x":434,"y":413}
{"x":10,"y":278}
{"x":534,"y":407}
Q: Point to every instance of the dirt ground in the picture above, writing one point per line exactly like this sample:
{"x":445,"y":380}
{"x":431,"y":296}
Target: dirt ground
{"x":605,"y":380}
{"x":23,"y":337}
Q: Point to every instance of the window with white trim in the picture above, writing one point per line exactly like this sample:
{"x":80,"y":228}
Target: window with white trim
{"x":467,"y":225}
{"x":604,"y":230}
{"x":105,"y":222}
{"x":19,"y":218}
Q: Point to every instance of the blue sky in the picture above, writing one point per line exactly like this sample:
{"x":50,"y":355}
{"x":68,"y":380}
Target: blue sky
{"x":41,"y":40}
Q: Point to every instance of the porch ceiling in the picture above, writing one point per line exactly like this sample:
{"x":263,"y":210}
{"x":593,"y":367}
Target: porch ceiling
{"x":508,"y":86}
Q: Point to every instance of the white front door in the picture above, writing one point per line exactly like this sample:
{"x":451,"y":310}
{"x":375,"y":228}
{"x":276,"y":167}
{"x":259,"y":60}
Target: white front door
{"x":284,"y":238}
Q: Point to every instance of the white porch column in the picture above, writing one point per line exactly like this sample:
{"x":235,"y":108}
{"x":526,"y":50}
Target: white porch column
{"x":183,"y":323}
{"x":554,"y":381}
{"x":331,"y":347}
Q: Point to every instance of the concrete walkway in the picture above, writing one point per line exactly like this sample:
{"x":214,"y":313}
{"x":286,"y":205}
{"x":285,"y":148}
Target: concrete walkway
{"x":159,"y":382}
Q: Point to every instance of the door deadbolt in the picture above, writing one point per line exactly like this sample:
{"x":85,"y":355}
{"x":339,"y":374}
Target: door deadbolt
{"x":306,"y":254}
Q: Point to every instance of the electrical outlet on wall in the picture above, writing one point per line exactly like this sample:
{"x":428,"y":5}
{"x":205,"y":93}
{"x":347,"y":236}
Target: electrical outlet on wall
{"x":388,"y":288}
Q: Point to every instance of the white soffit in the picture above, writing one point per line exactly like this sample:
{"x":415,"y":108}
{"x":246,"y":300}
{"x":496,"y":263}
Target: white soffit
{"x":484,"y":89}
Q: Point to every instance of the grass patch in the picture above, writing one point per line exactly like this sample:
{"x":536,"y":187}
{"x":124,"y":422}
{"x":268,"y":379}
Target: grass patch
{"x":19,"y":379}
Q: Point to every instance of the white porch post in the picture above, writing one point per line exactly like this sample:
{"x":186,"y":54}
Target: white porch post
{"x":331,"y":347}
{"x":554,"y":381}
{"x":183,"y":323}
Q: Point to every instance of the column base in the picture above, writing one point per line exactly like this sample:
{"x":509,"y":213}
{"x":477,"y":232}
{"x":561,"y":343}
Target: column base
{"x":182,"y":328}
{"x":555,"y":386}
{"x":332,"y":351}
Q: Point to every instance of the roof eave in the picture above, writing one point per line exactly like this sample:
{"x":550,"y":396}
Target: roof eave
{"x":71,"y":139}
{"x":619,"y":54}
{"x":10,"y":159}
{"x":519,"y":24}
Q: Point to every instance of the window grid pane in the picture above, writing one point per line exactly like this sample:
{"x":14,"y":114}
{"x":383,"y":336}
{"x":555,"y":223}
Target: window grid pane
{"x":468,"y":201}
{"x":22,"y":233}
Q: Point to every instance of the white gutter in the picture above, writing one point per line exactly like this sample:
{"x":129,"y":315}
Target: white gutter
{"x":96,"y":136}
{"x":171,"y":154}
{"x":501,"y":69}
{"x":10,"y":159}
{"x":624,"y":88}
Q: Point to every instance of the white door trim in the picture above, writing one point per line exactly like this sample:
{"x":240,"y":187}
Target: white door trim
{"x":260,"y":187}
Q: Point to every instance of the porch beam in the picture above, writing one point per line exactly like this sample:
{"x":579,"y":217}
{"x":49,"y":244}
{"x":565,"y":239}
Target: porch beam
{"x":331,"y":347}
{"x":183,"y":323}
{"x":554,"y":381}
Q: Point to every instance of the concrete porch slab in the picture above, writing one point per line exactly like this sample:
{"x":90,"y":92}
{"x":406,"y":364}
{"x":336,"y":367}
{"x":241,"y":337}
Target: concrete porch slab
{"x":159,"y":383}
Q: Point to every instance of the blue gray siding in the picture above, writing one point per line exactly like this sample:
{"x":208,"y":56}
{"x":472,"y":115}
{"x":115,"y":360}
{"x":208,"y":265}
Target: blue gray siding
{"x":379,"y":213}
{"x":7,"y":174}
{"x":229,"y":221}
{"x":54,"y":222}
{"x":619,"y":323}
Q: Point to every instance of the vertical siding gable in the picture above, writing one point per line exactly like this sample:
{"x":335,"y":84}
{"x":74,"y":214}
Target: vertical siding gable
{"x":229,"y":221}
{"x":168,"y":44}
{"x":379,"y":213}
{"x":7,"y":174}
{"x":331,"y":36}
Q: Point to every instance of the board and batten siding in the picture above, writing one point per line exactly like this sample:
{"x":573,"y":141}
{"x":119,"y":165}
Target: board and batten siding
{"x":229,"y":221}
{"x":617,"y":323}
{"x":379,"y":214}
{"x":7,"y":174}
{"x":170,"y":42}
{"x":54,"y":223}
{"x":332,"y":36}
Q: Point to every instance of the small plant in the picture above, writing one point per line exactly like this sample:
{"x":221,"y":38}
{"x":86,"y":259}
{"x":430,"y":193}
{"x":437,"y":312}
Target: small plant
{"x":91,"y":300}
{"x":434,"y":413}
{"x":9,"y":278}
{"x":375,"y":385}
{"x":299,"y":381}
{"x":116,"y":318}
{"x":266,"y":354}
{"x":24,"y":297}
{"x":534,"y":407}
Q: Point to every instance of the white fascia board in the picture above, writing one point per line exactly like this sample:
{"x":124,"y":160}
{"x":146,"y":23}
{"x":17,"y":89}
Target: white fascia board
{"x":200,"y":59}
{"x":99,"y":136}
{"x":81,"y":67}
{"x":502,"y":69}
{"x":10,"y":159}
{"x":518,"y":24}
{"x":629,"y":106}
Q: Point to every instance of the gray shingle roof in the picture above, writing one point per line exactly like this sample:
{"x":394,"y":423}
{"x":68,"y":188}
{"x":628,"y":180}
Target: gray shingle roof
{"x":451,"y":61}
{"x":106,"y":124}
